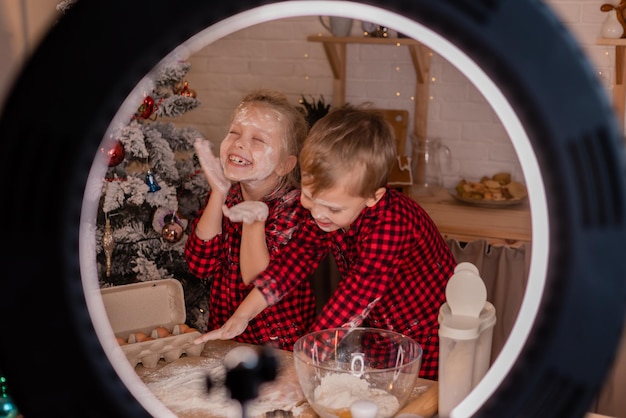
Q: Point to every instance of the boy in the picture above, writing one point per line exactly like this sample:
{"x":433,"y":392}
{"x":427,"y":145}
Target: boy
{"x":393,"y":261}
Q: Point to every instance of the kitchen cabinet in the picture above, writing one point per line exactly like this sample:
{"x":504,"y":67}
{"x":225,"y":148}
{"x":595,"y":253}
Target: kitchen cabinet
{"x":619,"y":91}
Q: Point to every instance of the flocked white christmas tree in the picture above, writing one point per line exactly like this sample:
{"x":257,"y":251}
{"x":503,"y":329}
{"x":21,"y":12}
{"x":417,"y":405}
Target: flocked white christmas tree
{"x":151,"y":191}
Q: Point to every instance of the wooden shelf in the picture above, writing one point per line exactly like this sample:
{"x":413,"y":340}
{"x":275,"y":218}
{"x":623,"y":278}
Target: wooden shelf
{"x":336,"y":52}
{"x":619,"y":91}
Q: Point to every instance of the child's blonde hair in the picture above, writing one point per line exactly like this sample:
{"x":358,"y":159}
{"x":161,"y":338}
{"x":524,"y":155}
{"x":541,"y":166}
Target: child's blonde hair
{"x":294,"y":124}
{"x":353,"y":141}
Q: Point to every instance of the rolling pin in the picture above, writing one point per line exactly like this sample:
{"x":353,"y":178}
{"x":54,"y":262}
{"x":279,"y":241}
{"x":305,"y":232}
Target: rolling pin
{"x":424,"y":406}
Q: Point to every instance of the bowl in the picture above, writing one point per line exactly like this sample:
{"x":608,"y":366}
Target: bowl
{"x":340,"y":366}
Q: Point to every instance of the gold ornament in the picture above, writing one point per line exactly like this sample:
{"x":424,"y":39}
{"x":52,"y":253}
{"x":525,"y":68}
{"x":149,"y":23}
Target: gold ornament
{"x":186,"y":91}
{"x":108,"y":244}
{"x":172,"y":231}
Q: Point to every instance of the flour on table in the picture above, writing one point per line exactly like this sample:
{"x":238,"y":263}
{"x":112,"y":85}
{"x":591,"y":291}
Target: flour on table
{"x":183,"y":390}
{"x":339,"y":391}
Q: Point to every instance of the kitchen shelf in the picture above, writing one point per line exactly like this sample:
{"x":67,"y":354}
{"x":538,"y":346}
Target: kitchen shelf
{"x":619,"y":91}
{"x":336,"y":53}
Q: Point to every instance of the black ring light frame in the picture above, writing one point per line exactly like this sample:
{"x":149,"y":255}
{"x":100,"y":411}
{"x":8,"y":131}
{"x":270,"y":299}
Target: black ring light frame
{"x":516,"y":52}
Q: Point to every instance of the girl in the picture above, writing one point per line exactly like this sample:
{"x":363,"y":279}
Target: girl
{"x":252,"y":222}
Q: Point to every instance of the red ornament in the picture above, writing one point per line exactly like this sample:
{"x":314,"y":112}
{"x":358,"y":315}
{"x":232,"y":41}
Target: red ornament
{"x":147,"y":108}
{"x":115,"y":154}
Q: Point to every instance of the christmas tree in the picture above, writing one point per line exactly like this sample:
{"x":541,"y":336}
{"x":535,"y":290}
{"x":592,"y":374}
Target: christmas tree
{"x":152,"y":189}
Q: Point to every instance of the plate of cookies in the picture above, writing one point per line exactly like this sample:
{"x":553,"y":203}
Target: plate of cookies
{"x":495,"y":191}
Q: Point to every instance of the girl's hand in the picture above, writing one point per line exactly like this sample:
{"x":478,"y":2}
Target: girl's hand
{"x":211,"y":166}
{"x":247,"y":212}
{"x":231,"y":328}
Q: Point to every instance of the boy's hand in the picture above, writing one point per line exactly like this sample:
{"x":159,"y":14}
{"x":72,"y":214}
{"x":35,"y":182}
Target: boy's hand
{"x":247,"y":212}
{"x":231,"y":328}
{"x":211,"y":166}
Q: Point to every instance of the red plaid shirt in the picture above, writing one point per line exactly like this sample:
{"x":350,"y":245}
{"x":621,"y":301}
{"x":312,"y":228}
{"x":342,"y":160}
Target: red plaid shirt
{"x":394,"y":265}
{"x":296,"y":249}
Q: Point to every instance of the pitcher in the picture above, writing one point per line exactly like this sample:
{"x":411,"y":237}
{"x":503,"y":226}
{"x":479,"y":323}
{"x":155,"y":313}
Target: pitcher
{"x":429,"y":156}
{"x":338,"y":26}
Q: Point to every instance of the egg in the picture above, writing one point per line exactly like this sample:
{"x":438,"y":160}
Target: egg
{"x":182,"y":328}
{"x":162,"y":332}
{"x":142,"y":336}
{"x":121,"y":341}
{"x":189,"y":329}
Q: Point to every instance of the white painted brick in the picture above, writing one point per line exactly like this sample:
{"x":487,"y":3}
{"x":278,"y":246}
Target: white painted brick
{"x":502,"y":152}
{"x":449,"y":92}
{"x":591,"y":13}
{"x":568,"y":12}
{"x":483,"y":132}
{"x":448,"y":131}
{"x":277,"y":55}
{"x":272,"y":68}
{"x":239,"y":65}
{"x":466,"y":111}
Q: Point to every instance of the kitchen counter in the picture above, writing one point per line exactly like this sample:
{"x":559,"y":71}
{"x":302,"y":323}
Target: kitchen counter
{"x":181,"y":386}
{"x":506,"y":225}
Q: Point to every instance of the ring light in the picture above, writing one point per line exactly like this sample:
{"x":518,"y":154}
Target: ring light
{"x":537,"y":81}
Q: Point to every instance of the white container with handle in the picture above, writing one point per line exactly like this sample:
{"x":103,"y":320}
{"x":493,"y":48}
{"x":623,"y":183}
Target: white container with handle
{"x":466,"y":323}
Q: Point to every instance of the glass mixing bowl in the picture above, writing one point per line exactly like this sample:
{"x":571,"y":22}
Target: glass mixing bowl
{"x":339,"y":366}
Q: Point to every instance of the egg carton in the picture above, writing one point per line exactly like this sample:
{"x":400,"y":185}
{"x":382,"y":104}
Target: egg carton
{"x":155,"y":311}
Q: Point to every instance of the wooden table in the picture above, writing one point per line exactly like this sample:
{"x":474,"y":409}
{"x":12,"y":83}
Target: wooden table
{"x":508,"y":225}
{"x":180,"y":385}
{"x":284,"y":389}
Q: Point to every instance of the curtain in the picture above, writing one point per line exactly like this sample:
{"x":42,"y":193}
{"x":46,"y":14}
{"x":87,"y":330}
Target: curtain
{"x":505,"y":273}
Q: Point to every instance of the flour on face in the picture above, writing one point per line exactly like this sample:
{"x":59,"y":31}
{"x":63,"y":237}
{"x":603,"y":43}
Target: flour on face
{"x":252,"y":149}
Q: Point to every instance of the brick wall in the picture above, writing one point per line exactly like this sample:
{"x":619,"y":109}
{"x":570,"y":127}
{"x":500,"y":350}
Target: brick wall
{"x":277,"y":55}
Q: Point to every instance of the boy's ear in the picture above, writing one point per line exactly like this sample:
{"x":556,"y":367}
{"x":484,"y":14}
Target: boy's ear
{"x":287,"y":165}
{"x":377,"y":196}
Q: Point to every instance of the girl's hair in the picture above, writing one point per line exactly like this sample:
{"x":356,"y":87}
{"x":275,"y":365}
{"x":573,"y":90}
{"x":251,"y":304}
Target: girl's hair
{"x":354,"y":141}
{"x":294,"y":125}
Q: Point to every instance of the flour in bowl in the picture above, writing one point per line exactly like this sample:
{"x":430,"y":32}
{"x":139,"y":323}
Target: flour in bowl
{"x":337,"y":392}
